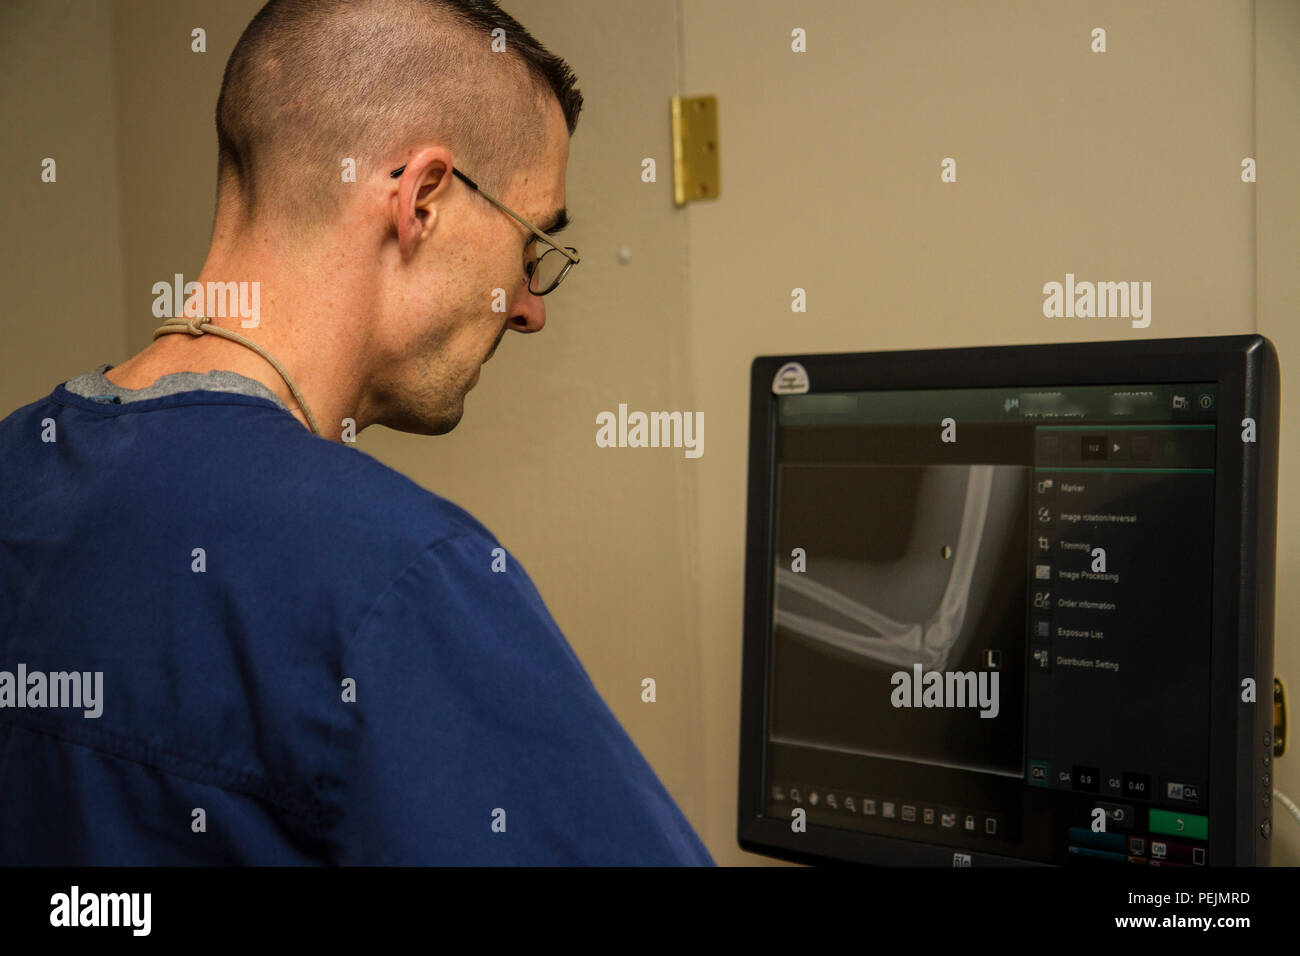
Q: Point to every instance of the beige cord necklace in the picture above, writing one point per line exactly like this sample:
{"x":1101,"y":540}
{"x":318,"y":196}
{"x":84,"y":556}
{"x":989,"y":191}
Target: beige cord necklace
{"x":195,"y":326}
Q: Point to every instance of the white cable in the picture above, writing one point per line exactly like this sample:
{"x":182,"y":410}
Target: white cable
{"x":1287,"y":802}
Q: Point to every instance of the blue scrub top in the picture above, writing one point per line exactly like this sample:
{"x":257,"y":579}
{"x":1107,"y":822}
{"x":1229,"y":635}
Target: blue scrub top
{"x":304,"y":657}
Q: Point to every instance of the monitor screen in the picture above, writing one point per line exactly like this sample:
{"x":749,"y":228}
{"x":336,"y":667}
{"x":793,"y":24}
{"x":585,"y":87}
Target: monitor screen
{"x":988,"y":621}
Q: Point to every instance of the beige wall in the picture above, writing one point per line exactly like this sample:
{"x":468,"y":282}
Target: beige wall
{"x":60,"y":242}
{"x":1277,"y":291}
{"x":1110,"y":166}
{"x":1114,"y":166}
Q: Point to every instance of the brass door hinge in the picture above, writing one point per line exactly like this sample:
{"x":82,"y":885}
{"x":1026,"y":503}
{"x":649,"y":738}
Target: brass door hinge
{"x":695,"y":148}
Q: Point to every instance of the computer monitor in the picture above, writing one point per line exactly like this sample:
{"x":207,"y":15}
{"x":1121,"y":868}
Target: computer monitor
{"x":1012,"y":605}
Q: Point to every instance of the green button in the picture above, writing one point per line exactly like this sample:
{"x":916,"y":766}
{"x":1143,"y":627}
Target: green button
{"x":1038,"y":773}
{"x":1179,"y":824}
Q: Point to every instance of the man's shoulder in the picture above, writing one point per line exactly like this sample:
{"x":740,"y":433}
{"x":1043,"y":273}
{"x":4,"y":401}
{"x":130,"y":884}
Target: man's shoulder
{"x":233,"y":463}
{"x":339,"y":487}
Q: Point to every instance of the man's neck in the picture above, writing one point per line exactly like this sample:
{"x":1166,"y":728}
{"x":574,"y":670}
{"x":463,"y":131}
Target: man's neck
{"x":295,"y":326}
{"x":327,"y":391}
{"x":182,"y":353}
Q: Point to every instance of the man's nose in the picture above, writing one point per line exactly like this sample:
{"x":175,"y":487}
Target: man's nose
{"x":529,"y":313}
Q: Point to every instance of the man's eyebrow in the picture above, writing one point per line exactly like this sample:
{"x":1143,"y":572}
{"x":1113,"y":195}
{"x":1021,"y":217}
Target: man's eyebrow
{"x":559,"y":222}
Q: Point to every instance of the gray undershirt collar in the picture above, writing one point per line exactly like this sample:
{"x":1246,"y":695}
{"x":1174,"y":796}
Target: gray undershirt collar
{"x":95,"y":386}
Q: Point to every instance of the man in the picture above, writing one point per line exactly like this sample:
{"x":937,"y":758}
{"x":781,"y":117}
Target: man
{"x":229,"y":640}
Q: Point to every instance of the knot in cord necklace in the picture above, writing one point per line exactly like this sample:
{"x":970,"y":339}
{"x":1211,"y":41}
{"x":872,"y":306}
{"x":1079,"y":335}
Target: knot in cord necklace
{"x":200,"y":324}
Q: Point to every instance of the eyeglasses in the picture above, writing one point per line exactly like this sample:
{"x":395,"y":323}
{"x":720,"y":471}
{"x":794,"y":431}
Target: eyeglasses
{"x":544,"y":273}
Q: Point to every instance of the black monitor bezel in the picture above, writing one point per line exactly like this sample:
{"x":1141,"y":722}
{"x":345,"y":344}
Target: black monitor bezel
{"x":1245,"y":369}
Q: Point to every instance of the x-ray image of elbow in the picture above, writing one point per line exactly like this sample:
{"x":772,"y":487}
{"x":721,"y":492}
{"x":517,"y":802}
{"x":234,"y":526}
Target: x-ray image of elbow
{"x":921,"y":565}
{"x":910,"y":609}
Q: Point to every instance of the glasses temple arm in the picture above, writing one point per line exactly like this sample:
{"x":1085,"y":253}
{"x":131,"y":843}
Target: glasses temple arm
{"x":519,"y":219}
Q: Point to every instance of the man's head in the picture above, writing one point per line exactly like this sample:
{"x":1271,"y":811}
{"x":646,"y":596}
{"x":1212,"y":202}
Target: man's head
{"x":321,"y":100}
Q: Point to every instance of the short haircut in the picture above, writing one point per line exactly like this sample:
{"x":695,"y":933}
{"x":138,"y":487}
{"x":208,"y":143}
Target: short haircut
{"x":313,"y":83}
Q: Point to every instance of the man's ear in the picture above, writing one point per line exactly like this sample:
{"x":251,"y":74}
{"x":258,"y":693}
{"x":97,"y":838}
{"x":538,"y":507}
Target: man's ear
{"x":422,"y":190}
